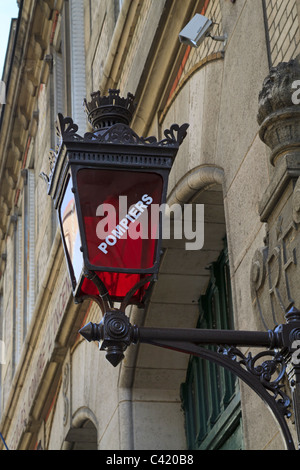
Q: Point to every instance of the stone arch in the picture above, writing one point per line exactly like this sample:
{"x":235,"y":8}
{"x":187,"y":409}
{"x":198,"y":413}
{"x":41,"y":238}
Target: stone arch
{"x":183,"y":273}
{"x":82,"y":434}
{"x":154,"y":375}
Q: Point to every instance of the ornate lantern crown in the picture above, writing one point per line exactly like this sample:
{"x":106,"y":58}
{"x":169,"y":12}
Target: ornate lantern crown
{"x":105,"y":111}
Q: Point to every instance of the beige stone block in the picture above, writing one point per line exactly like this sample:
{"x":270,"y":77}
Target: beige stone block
{"x":181,"y":289}
{"x":292,"y":50}
{"x":158,"y":384}
{"x":244,"y":71}
{"x":230,"y":15}
{"x":158,"y":426}
{"x":211,"y":110}
{"x":196,"y":117}
{"x":109,"y":440}
{"x":245,"y":317}
{"x":179,"y":113}
{"x":294,"y":28}
{"x":260,"y":430}
{"x":272,"y":9}
{"x":242,"y":201}
{"x":154,"y":357}
{"x":281,"y":16}
{"x":197,"y":104}
{"x":56,"y":438}
{"x":181,"y":261}
{"x":163,"y":315}
{"x":92,"y":377}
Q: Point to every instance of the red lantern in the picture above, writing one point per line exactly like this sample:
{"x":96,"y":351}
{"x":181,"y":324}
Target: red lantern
{"x":108,"y":187}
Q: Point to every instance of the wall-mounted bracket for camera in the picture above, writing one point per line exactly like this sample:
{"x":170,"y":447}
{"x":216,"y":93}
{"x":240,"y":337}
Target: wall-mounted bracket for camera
{"x":219,"y":38}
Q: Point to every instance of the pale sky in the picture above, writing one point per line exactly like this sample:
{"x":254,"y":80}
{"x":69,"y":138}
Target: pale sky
{"x":8,"y":10}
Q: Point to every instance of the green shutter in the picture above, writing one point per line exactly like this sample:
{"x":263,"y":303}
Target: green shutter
{"x":210,"y":395}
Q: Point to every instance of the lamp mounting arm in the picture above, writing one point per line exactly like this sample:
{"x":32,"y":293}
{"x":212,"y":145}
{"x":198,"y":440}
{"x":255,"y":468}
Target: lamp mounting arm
{"x":281,"y":346}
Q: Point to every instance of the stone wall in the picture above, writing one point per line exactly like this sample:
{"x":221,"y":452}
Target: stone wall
{"x":282,"y":30}
{"x":55,"y":387}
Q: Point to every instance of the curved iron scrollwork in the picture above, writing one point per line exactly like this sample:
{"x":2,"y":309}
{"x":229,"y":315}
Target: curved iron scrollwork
{"x":270,"y":373}
{"x":66,"y":128}
{"x":118,"y":133}
{"x":265,"y":372}
{"x":259,"y":377}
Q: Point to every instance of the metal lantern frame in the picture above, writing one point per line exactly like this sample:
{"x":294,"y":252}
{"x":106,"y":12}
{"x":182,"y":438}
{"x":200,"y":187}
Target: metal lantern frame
{"x":273,"y":373}
{"x":115,"y":148}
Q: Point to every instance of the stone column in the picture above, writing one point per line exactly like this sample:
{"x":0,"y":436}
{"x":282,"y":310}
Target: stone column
{"x":275,"y":271}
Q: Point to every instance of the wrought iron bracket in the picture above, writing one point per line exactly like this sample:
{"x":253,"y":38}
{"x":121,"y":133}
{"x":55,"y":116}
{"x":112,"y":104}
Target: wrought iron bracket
{"x":266,"y":372}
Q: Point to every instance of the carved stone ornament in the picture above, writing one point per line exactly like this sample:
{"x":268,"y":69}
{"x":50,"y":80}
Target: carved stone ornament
{"x":296,"y":202}
{"x":279,"y":114}
{"x":275,"y":275}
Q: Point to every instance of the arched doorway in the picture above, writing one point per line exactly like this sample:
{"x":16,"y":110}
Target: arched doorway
{"x":83,"y":437}
{"x":184,"y":277}
{"x":210,"y":394}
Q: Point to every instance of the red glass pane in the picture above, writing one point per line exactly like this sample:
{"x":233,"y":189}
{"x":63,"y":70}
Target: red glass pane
{"x":120,"y":232}
{"x":118,"y":285}
{"x":116,"y":209}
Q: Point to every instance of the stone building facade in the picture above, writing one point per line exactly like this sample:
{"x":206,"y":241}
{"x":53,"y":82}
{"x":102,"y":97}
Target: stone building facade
{"x":58,"y":391}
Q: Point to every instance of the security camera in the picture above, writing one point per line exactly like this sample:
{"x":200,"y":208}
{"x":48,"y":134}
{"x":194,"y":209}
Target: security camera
{"x":199,"y":28}
{"x":196,"y":31}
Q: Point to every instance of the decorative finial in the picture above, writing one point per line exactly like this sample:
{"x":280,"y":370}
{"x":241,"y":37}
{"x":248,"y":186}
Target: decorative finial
{"x":105,"y":111}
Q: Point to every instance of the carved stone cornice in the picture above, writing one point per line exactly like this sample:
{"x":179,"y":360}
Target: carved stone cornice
{"x":287,"y":169}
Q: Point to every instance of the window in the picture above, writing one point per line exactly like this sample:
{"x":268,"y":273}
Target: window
{"x":24,"y":265}
{"x":210,"y":395}
{"x":2,"y":348}
{"x":17,"y":310}
{"x":67,"y":74}
{"x":28,"y":248}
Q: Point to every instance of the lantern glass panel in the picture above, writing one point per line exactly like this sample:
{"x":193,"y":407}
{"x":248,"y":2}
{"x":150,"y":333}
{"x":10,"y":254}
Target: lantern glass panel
{"x":116,"y":208}
{"x":118,"y":285}
{"x":70,"y":230}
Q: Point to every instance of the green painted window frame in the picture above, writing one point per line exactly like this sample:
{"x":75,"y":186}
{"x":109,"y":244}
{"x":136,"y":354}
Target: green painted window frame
{"x":210,"y":395}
